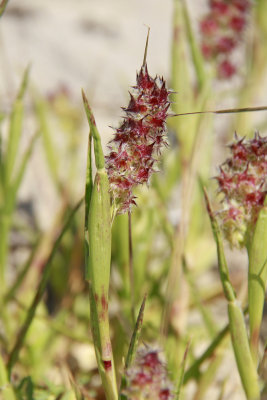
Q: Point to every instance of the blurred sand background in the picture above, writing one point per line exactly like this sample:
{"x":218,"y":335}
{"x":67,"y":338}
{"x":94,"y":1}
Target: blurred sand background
{"x":93,"y":44}
{"x":97,"y":45}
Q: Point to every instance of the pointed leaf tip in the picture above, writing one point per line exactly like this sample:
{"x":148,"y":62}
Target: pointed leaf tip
{"x":136,"y":334}
{"x":90,"y":116}
{"x":24,"y":83}
{"x":207,"y":201}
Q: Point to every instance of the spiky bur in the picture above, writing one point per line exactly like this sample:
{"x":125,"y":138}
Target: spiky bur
{"x":138,"y":141}
{"x":243,"y":182}
{"x":222,"y":29}
{"x":147,"y":377}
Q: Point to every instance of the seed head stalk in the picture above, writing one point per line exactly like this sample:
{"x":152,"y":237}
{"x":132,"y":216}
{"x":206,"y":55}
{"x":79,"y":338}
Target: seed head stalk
{"x":244,"y":360}
{"x":243,"y":183}
{"x":222,"y":29}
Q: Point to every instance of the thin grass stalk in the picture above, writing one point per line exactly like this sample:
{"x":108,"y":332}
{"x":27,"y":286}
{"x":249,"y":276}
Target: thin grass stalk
{"x":257,"y":279}
{"x":98,"y":228}
{"x":245,"y":364}
{"x":173,"y":278}
{"x":87,"y":197}
{"x":131,"y":267}
{"x":136,"y":335}
{"x":221,"y":394}
{"x":22,"y":167}
{"x":181,"y":81}
{"x":10,"y":202}
{"x":180,"y":74}
{"x":15,"y":129}
{"x":50,"y":152}
{"x":180,"y":380}
{"x":14,"y":354}
{"x":205,"y":313}
{"x":143,"y":238}
{"x":120,"y":246}
{"x":224,"y":111}
{"x":22,"y":274}
{"x":4,"y":230}
{"x":193,"y":371}
{"x":7,"y":168}
{"x":188,"y":182}
{"x":198,"y":60}
{"x":182,"y":35}
{"x":208,"y":377}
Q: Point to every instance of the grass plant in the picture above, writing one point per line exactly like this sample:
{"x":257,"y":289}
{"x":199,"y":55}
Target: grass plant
{"x":133,"y":292}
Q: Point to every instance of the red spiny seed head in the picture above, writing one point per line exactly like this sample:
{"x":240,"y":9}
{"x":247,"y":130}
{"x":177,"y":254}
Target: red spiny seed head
{"x":220,"y":7}
{"x":151,"y":360}
{"x":225,"y":45}
{"x":241,"y":5}
{"x":226,"y":69}
{"x":138,"y":140}
{"x":237,"y":23}
{"x":147,"y":377}
{"x":221,"y":30}
{"x":208,"y":26}
{"x":243,"y":182}
{"x":165,"y":394}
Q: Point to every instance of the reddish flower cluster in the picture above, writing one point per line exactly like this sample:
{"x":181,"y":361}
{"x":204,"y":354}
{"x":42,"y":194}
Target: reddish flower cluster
{"x":147,"y":378}
{"x":222,"y":28}
{"x":138,"y":140}
{"x":243,"y":182}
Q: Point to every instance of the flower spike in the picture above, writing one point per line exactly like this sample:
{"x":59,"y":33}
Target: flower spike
{"x":222,"y":29}
{"x":139,"y":139}
{"x":242,"y":180}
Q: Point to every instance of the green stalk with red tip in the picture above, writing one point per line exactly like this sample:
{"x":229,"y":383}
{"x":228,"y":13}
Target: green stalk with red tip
{"x":98,"y":257}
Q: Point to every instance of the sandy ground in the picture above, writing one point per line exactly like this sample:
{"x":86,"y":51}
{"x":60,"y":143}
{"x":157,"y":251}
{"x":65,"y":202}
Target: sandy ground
{"x":96,"y":44}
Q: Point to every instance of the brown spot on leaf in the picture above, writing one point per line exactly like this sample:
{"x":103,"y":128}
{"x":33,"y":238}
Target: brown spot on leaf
{"x":255,"y":338}
{"x":107,"y":364}
{"x":104,"y":303}
{"x":97,"y":182}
